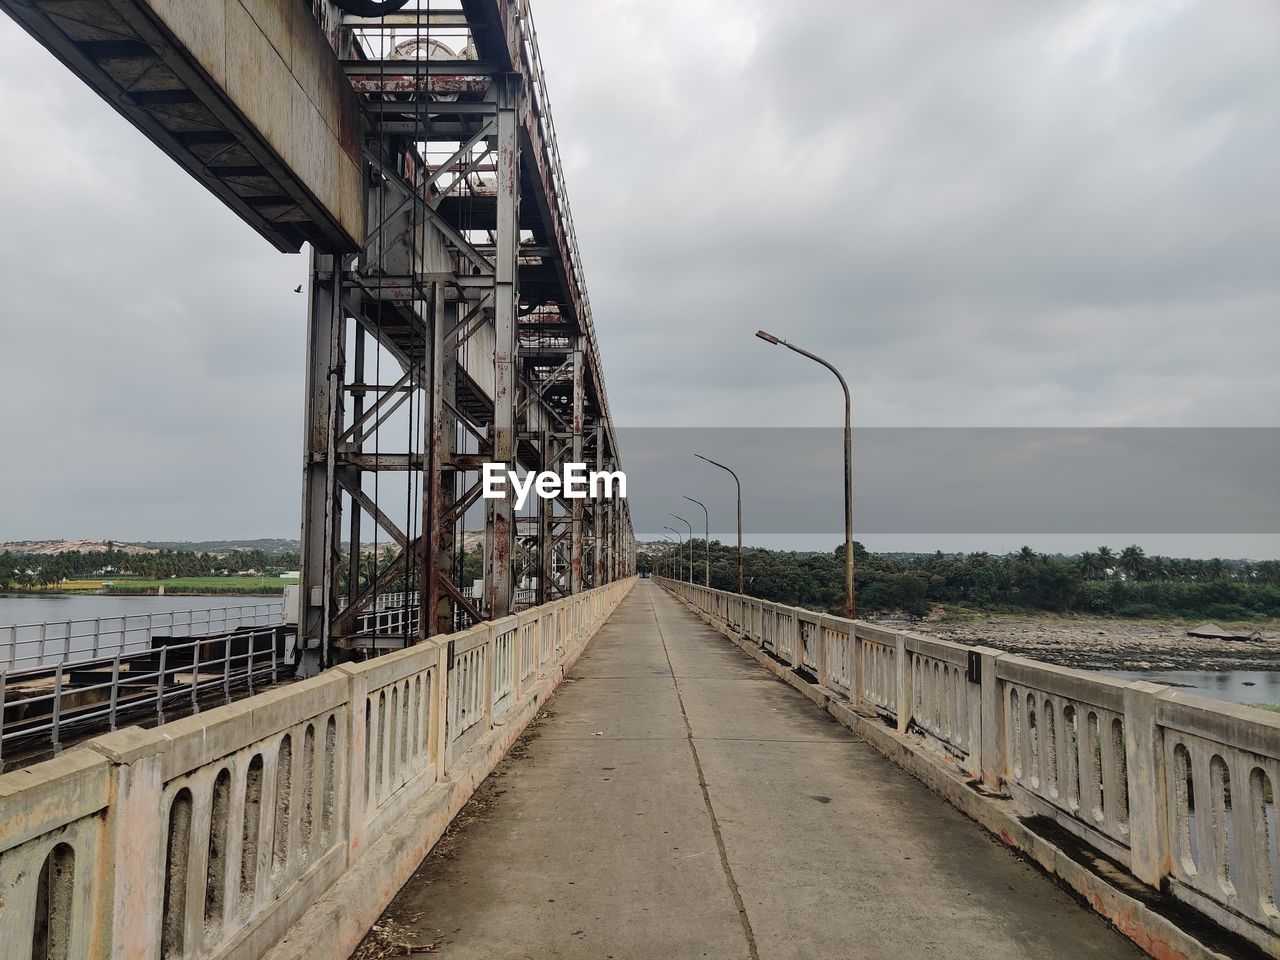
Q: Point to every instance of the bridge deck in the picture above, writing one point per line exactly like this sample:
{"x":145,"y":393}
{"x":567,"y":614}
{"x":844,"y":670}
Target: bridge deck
{"x":677,"y":802}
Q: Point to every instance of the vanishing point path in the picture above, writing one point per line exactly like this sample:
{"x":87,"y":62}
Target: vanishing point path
{"x":678,"y":802}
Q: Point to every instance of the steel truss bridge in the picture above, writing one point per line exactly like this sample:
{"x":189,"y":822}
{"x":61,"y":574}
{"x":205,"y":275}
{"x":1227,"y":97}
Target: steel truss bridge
{"x":448,"y":316}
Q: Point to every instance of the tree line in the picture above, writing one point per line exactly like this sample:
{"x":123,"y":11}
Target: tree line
{"x":1127,"y":583}
{"x":34,"y":570}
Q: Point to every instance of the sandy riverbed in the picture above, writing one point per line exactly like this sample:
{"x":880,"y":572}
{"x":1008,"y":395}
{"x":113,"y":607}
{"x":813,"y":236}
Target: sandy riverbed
{"x":1102,"y":644}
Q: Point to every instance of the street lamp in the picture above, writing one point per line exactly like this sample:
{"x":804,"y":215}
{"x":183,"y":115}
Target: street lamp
{"x":667,"y":563}
{"x":679,"y":553}
{"x":738,"y":484}
{"x":690,"y":526}
{"x":850,"y":605}
{"x":706,"y":540}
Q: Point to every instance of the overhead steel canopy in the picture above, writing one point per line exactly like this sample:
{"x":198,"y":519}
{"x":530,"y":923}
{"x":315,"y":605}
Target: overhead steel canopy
{"x":247,"y":96}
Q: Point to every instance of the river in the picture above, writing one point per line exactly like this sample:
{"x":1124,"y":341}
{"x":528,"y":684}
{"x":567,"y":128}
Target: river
{"x":38,"y":631}
{"x":1234,"y":686}
{"x":48,"y":608}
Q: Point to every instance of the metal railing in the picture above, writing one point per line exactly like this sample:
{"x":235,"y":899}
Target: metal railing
{"x":50,"y":707}
{"x":28,"y":646}
{"x":1179,"y":789}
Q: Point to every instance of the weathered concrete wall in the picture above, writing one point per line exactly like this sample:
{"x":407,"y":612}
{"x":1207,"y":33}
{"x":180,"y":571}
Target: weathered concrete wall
{"x":277,"y":67}
{"x":210,"y":836}
{"x":1177,"y":789}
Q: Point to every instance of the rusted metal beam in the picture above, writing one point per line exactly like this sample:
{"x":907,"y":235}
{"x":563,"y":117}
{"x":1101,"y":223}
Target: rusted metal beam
{"x":579,"y":384}
{"x":321,"y":507}
{"x":499,"y":514}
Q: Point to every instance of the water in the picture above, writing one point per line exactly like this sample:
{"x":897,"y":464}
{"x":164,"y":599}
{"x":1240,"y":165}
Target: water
{"x":39,"y":631}
{"x":1234,"y":686}
{"x":38,"y":609}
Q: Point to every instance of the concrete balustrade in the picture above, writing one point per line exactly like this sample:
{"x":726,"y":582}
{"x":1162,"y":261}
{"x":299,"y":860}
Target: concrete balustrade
{"x":1178,"y":789}
{"x":210,"y":836}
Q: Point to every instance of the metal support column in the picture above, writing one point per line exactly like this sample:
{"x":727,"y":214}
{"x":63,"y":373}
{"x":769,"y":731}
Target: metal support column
{"x":499,"y":513}
{"x":321,"y":505}
{"x":575,"y":556}
{"x":441,"y":481}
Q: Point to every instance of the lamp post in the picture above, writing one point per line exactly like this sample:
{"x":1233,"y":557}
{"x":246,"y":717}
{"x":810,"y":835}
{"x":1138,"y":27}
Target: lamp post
{"x":706,"y":541}
{"x":690,"y":526}
{"x":679,"y":553}
{"x":850,"y":605}
{"x":667,"y":562}
{"x":738,"y":484}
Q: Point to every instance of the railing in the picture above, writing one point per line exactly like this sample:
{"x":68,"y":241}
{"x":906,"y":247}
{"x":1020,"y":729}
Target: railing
{"x":201,"y":837}
{"x":390,"y":621}
{"x":1179,"y":789}
{"x":27,"y":646}
{"x":53,"y":706}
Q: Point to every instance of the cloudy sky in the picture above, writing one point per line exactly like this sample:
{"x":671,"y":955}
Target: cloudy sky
{"x":988,"y":214}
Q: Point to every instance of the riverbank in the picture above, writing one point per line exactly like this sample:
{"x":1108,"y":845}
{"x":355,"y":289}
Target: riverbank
{"x":172,"y":587}
{"x":1107,"y":643}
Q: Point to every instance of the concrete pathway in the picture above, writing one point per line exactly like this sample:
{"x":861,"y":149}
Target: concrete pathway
{"x":677,"y":802}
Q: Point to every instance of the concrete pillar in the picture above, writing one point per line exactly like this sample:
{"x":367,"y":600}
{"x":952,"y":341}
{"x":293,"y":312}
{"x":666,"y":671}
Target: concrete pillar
{"x":855,"y":651}
{"x":1144,"y":760}
{"x":823,"y":665}
{"x":904,"y":682}
{"x":990,"y":736}
{"x":358,"y":752}
{"x":135,"y":844}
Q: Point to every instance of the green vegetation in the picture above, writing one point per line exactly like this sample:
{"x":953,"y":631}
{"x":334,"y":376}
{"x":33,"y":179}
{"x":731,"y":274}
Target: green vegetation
{"x":239,"y":571}
{"x":468,"y":565}
{"x":1099,"y":583}
{"x":229,"y":584}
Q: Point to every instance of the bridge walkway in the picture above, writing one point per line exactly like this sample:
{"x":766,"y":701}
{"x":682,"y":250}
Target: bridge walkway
{"x":676,"y":802}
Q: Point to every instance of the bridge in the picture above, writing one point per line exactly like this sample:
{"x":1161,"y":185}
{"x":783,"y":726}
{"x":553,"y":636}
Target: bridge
{"x":414,"y":152}
{"x":718,"y":776}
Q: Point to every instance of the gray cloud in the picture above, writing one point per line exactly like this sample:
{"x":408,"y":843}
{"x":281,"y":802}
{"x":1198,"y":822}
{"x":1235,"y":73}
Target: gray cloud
{"x":988,"y":214}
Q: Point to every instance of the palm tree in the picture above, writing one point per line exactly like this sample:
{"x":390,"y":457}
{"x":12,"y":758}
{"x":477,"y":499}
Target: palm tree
{"x":1269,"y":571}
{"x":1091,"y":565}
{"x":1027,"y":557}
{"x":1133,"y":562}
{"x":1108,"y":561}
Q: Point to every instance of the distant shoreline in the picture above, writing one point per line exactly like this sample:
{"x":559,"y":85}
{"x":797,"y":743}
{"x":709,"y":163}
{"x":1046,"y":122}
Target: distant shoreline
{"x":176,"y":587}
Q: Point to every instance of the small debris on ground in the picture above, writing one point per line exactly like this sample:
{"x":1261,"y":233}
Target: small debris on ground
{"x":391,"y":938}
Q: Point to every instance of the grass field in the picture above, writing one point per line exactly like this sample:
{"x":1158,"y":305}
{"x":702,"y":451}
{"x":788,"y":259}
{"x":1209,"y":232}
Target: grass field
{"x":199,"y":585}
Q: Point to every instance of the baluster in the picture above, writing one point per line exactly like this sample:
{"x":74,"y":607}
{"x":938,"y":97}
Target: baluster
{"x":2,"y":688}
{"x":164,"y":652}
{"x":55,"y":730}
{"x":115,"y":688}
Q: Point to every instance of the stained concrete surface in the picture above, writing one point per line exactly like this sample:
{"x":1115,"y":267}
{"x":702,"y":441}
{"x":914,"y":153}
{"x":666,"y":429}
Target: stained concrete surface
{"x":674,"y":802}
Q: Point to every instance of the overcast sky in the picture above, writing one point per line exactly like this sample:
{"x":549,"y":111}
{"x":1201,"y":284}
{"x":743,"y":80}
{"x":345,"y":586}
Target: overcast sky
{"x":988,"y":214}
